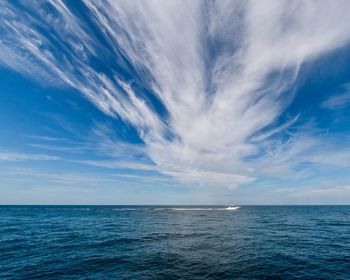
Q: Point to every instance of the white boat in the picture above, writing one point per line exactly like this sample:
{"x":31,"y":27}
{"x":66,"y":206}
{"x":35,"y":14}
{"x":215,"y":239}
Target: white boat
{"x":232,"y":207}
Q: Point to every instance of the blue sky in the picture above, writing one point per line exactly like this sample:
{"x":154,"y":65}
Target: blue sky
{"x":174,"y":102}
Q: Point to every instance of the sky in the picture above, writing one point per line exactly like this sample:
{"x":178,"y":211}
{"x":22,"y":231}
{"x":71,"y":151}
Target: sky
{"x":174,"y":102}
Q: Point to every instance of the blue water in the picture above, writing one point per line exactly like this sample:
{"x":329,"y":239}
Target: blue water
{"x":143,"y":242}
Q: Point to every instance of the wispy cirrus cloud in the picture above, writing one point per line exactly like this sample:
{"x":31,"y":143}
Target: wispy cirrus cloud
{"x":10,"y":157}
{"x":340,"y":100}
{"x":223,"y":71}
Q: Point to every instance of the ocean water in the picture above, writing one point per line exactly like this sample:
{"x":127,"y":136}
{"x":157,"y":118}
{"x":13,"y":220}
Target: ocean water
{"x":158,"y":242}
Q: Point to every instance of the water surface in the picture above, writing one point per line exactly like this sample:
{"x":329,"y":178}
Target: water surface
{"x":168,"y":242}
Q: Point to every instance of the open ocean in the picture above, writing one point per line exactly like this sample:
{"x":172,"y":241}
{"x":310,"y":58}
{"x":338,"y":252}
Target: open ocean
{"x":173,"y":242}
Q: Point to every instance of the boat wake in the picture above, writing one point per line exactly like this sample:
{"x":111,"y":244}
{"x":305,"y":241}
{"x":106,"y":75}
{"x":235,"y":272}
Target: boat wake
{"x":229,"y":208}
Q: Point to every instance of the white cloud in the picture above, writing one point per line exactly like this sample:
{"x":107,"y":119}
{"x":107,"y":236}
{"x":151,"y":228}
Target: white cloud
{"x":8,"y":157}
{"x":340,"y":100}
{"x":222,"y":69}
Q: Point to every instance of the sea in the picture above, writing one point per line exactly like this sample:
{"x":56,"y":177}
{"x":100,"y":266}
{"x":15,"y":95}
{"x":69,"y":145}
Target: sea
{"x":174,"y":242}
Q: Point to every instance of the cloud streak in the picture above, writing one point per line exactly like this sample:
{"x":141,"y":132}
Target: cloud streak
{"x":223,"y":71}
{"x":12,"y":157}
{"x":340,"y":100}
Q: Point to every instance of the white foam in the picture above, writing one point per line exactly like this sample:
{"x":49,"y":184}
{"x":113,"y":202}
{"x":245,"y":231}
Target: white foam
{"x":229,"y":208}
